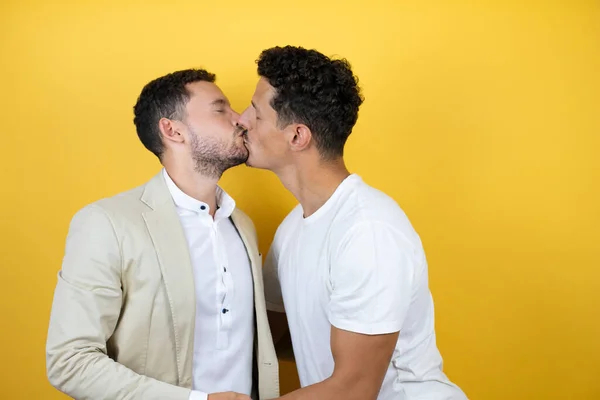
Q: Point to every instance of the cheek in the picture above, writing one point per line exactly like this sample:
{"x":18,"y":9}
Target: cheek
{"x":259,"y":134}
{"x":211,"y":128}
{"x":276,"y":144}
{"x":221,"y":123}
{"x":267,"y":138}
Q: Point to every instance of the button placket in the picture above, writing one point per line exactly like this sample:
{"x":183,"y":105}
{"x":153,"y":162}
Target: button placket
{"x":227,"y":284}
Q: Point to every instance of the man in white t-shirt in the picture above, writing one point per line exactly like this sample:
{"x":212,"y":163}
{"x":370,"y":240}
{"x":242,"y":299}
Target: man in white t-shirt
{"x":346,"y":266}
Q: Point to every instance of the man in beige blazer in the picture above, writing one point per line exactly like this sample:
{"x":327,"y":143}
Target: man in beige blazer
{"x":160,"y":295}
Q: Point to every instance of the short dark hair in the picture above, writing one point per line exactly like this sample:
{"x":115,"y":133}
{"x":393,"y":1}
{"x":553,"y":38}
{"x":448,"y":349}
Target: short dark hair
{"x":164,"y":97}
{"x":314,"y":90}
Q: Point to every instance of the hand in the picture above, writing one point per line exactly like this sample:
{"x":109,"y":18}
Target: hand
{"x":228,"y":396}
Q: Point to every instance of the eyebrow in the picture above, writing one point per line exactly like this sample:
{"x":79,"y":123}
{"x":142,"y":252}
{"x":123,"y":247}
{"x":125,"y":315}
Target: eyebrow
{"x":219,"y":102}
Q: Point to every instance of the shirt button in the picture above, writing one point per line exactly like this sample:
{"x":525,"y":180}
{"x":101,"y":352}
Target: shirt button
{"x":203,"y":208}
{"x":224,"y":310}
{"x":225,"y":269}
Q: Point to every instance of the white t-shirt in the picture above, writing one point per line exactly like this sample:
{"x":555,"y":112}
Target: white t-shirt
{"x":357,"y":264}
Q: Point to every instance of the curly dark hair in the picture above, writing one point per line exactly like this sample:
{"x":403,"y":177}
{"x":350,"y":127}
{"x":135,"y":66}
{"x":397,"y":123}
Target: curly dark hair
{"x":315,"y":90}
{"x":164,"y":97}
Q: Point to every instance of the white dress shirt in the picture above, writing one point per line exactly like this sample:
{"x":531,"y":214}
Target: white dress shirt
{"x":224,"y":328}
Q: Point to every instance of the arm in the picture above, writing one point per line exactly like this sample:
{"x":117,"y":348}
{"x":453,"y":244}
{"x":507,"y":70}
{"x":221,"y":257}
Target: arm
{"x":86,"y":307}
{"x":371,"y":277}
{"x":361,"y":362}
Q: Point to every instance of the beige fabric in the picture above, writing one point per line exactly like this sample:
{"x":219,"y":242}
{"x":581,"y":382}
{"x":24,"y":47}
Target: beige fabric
{"x":122,"y":320}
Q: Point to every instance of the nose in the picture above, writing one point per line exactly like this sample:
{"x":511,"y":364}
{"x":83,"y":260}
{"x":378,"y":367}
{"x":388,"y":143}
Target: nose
{"x":235,"y":118}
{"x":245,"y":120}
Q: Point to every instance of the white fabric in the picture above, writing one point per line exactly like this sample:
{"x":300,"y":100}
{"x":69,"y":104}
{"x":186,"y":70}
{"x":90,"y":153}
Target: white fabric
{"x":224,"y":328}
{"x":357,"y":264}
{"x":196,"y":395}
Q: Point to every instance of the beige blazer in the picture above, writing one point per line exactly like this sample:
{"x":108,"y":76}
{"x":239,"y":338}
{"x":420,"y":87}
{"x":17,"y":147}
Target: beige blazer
{"x":122,"y":320}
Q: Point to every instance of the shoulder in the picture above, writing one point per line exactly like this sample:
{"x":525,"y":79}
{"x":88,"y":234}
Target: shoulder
{"x":116,"y":210}
{"x":369,"y":210}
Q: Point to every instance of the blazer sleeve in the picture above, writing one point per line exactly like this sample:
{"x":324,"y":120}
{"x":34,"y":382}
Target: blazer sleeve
{"x":85,"y":310}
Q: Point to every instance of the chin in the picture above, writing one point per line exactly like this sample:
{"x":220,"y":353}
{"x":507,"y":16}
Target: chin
{"x":252,"y":163}
{"x":249,"y":162}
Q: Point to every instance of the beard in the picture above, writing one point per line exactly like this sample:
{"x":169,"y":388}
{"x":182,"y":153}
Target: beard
{"x":213,"y":157}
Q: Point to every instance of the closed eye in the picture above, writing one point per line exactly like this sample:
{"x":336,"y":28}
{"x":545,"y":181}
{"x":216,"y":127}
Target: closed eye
{"x":219,"y":105}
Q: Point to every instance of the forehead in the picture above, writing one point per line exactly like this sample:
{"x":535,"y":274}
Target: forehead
{"x":203,"y":93}
{"x":264,"y":91}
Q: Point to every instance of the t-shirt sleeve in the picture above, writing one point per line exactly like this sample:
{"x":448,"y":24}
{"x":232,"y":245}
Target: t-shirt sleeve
{"x":273,"y":297}
{"x":371,"y":274}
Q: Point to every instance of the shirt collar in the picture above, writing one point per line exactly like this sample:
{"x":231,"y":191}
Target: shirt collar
{"x":225,"y":203}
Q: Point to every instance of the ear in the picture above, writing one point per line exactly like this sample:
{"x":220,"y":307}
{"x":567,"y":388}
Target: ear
{"x":169,"y":130}
{"x":302,"y":137}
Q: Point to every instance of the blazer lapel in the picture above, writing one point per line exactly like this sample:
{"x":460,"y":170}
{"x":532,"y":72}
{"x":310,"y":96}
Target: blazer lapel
{"x":250,"y":242}
{"x":174,"y":258}
{"x":246,"y":231}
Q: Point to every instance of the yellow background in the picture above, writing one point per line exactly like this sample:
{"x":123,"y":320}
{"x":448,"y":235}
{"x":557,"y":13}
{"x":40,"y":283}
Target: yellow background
{"x":481,"y":119}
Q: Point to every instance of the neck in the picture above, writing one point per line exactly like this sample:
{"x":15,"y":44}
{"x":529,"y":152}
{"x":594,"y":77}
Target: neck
{"x":194,"y":184}
{"x":312,"y":184}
